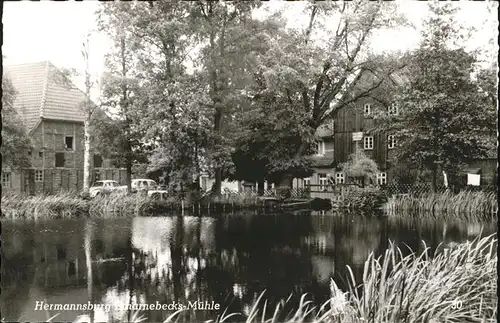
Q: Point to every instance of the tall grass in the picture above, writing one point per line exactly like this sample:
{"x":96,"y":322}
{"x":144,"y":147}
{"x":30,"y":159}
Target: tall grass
{"x":70,"y":205}
{"x":466,"y":205}
{"x":456,"y":286}
{"x":64,"y":205}
{"x":127,"y":205}
{"x":459,"y":285}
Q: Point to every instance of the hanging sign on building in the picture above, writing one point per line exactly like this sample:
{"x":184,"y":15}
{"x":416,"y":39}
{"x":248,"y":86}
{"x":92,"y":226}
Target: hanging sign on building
{"x":357,"y":136}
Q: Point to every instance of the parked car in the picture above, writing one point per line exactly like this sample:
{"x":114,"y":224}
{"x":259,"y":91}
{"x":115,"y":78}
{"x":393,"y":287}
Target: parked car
{"x":143,"y":185}
{"x":104,"y":186}
{"x":149,"y":187}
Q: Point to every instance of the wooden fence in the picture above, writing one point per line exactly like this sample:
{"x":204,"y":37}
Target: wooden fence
{"x":336,"y":191}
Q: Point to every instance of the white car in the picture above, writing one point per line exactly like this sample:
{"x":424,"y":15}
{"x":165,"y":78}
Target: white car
{"x":149,"y":186}
{"x":104,"y":186}
{"x":143,"y":185}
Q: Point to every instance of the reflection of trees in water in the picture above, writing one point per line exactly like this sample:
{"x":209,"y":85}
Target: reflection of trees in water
{"x":435,"y":232}
{"x":167,"y":260}
{"x":16,"y":270}
{"x":227,"y":260}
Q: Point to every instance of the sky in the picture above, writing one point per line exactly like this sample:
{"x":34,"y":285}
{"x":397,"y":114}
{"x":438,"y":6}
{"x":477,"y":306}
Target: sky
{"x":54,"y":31}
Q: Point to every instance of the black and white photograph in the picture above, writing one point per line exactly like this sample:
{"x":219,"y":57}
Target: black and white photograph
{"x":249,"y":161}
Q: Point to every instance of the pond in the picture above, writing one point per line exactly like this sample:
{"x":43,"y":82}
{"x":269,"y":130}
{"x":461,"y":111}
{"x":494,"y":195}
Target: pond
{"x":223,"y":261}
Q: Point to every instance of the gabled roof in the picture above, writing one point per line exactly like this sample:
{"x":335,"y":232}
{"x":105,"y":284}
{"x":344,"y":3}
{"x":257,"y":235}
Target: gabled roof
{"x":42,"y":93}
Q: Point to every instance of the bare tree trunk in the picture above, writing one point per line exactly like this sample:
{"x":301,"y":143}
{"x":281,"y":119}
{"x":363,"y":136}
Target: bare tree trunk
{"x":88,"y":115}
{"x":124,"y":106}
{"x":86,"y":156}
{"x":129,"y":175}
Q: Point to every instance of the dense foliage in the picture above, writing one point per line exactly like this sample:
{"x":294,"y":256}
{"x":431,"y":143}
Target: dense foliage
{"x":361,"y":168}
{"x":234,"y":91}
{"x":15,"y":142}
{"x":446,"y":116}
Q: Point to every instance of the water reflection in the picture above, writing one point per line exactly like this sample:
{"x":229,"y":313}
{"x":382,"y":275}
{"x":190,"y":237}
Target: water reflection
{"x":228,"y":260}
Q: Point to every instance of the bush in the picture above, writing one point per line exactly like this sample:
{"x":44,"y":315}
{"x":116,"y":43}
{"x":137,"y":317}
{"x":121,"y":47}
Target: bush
{"x":367,"y":198}
{"x":360,"y":166}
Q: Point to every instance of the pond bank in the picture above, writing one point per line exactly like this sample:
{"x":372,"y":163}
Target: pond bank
{"x":71,"y":206}
{"x":477,"y":206}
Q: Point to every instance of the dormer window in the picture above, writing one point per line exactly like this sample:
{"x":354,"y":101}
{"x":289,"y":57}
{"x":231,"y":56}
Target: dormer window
{"x":367,"y":109}
{"x":393,"y":110}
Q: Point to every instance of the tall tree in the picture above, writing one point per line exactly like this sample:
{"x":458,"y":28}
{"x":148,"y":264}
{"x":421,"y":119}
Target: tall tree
{"x":230,"y":37}
{"x":15,"y":142}
{"x":320,"y":68}
{"x":267,"y":141}
{"x":120,"y":135}
{"x":194,"y":72}
{"x":443,"y":116}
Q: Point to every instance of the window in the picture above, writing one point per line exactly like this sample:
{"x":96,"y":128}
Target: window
{"x":322,"y":182}
{"x":368,"y":142}
{"x":59,"y":159}
{"x":40,"y":154}
{"x":6,"y":181}
{"x":68,"y":142}
{"x":307,"y":181}
{"x":38,"y":175}
{"x":29,"y":153}
{"x":367,"y":109}
{"x":320,"y":147}
{"x":391,"y":141}
{"x":97,"y":161}
{"x":98,"y":184}
{"x":382,"y":178}
{"x":393,"y":110}
{"x":339,"y":178}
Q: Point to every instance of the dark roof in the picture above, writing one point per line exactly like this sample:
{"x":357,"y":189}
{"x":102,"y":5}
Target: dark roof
{"x":322,"y":161}
{"x":40,"y":94}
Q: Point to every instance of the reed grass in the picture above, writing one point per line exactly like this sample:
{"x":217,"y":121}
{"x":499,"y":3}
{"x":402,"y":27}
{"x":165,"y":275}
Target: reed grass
{"x":455,"y":286}
{"x":466,"y":205}
{"x":127,"y":205}
{"x":64,"y":205}
{"x":71,"y":205}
